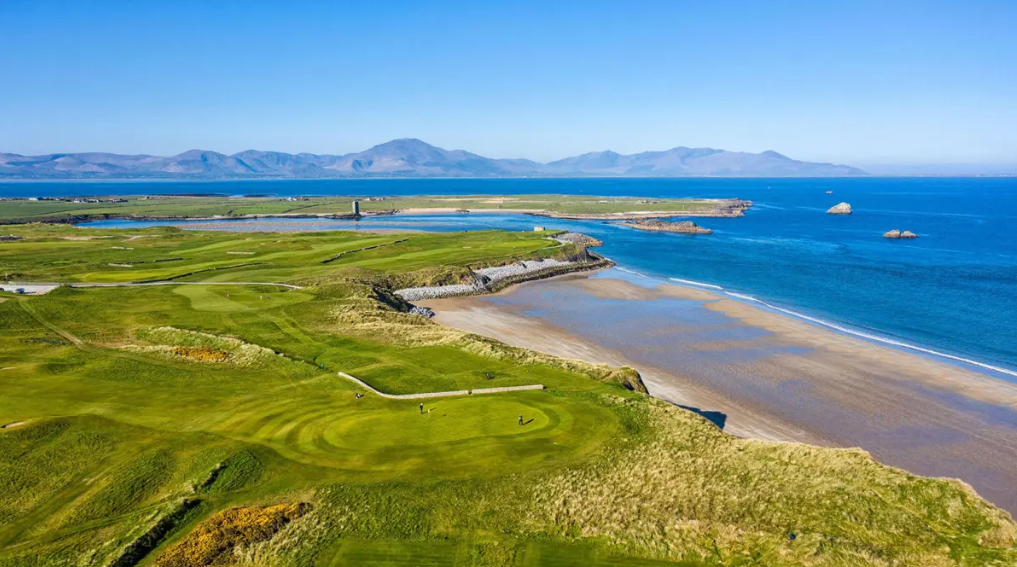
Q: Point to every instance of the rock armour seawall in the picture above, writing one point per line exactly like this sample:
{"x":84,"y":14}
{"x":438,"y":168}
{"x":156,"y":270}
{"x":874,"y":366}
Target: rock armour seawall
{"x":490,"y":279}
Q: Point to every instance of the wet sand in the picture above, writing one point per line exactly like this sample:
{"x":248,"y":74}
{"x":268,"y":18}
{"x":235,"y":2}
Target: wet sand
{"x":766,"y":375}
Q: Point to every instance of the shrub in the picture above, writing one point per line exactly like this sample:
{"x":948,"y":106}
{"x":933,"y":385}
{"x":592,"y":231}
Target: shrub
{"x":216,"y":539}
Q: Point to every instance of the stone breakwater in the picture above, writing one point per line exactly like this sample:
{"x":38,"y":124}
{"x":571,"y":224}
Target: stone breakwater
{"x":489,"y":279}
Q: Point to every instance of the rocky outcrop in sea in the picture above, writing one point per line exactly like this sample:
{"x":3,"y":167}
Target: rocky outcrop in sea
{"x":682,"y":227}
{"x":899,"y":234}
{"x":840,"y":209}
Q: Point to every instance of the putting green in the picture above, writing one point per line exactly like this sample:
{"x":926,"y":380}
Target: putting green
{"x":453,"y":435}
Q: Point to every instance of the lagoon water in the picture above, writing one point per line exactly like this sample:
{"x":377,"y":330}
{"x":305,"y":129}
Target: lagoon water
{"x":953,"y":290}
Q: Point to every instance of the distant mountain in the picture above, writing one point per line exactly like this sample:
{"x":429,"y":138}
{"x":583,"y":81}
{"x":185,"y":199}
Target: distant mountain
{"x":412,"y":158}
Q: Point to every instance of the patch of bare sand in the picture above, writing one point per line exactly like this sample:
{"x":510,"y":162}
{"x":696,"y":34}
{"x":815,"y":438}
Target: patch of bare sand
{"x":609,"y":288}
{"x":12,"y":425}
{"x":859,"y":354}
{"x":441,"y":210}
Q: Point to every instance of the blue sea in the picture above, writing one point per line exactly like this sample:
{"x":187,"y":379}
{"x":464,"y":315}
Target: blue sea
{"x":953,"y":290}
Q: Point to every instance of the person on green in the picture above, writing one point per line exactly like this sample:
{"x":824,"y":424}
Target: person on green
{"x":520,"y":419}
{"x":421,"y":408}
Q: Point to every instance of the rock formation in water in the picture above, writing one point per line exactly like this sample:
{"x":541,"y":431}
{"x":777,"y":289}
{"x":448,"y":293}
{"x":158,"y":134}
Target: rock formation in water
{"x":899,"y":234}
{"x":683,"y":227}
{"x":840,"y":209}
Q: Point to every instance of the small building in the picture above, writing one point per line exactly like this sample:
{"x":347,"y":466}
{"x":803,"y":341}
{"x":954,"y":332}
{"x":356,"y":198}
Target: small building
{"x":356,"y":207}
{"x":539,"y":229}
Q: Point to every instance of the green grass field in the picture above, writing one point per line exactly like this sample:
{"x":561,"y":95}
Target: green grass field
{"x":15,"y":211}
{"x":161,"y":425}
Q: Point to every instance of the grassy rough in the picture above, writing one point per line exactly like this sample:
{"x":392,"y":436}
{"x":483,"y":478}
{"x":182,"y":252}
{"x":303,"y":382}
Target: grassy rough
{"x":696,"y":493}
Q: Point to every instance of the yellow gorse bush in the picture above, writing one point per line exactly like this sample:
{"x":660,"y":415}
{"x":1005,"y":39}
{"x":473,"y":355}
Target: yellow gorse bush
{"x":214,"y":541}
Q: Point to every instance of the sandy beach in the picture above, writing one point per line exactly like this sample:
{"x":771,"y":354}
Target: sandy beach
{"x":765,"y":375}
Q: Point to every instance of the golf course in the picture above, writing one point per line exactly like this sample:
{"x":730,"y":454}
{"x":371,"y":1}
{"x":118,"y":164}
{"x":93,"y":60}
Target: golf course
{"x":180,"y":399}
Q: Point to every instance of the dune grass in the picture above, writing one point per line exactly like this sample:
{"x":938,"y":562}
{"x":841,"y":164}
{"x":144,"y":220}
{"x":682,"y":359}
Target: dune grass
{"x":207,"y":425}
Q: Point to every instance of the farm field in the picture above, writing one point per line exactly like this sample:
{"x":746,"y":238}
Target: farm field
{"x":203,"y":422}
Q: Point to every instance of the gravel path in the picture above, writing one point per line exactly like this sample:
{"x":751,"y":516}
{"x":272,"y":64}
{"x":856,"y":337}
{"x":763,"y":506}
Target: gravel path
{"x":441,"y":394}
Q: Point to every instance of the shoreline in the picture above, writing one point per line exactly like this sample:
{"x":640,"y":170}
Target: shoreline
{"x":799,"y":383}
{"x":844,"y":329}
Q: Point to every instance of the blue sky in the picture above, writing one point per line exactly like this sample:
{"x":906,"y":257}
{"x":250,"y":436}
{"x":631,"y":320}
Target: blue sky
{"x":858,"y":82}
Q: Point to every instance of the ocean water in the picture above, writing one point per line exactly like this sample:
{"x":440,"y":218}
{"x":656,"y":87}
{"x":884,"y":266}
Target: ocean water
{"x":953,"y":290}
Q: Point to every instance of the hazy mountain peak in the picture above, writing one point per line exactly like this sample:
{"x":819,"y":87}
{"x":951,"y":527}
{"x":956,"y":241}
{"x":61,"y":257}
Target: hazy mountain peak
{"x":412,"y":157}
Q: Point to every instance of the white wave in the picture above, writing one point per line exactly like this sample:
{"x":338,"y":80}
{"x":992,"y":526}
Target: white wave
{"x":699,"y":284}
{"x":633,"y":272}
{"x":872,"y":337}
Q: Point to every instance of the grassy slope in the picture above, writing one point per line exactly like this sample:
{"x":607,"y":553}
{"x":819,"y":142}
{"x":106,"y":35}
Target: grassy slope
{"x":120,"y":430}
{"x":26,"y":211}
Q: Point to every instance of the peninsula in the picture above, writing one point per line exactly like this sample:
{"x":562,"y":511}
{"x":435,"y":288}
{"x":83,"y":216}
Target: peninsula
{"x":220,"y":207}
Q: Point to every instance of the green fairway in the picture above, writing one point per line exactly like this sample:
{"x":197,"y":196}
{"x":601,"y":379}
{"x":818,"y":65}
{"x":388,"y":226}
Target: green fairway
{"x":197,"y":424}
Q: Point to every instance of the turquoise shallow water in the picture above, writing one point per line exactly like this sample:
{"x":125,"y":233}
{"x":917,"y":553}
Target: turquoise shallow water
{"x":953,"y":290}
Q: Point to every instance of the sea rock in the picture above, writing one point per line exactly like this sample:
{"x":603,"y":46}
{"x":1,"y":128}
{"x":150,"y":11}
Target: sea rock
{"x":908,"y":234}
{"x":899,"y":234}
{"x":425,"y":312}
{"x":840,"y":209}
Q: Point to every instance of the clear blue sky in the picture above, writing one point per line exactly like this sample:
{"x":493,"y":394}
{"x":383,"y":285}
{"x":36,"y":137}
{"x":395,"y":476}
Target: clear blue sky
{"x":859,"y":82}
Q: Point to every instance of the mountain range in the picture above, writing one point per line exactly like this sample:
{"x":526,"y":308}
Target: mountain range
{"x":410,"y":157}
